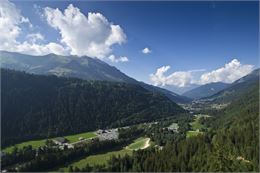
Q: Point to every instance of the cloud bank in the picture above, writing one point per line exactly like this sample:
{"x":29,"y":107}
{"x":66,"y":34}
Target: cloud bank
{"x":91,"y":34}
{"x":228,"y":74}
{"x":11,"y":23}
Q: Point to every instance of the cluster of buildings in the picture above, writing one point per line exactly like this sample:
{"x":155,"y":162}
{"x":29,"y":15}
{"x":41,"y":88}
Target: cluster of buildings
{"x":62,"y":143}
{"x":110,"y":134}
{"x":102,"y":135}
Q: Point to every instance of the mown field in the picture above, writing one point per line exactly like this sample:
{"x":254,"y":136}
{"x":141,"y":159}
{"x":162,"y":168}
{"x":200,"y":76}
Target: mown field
{"x":192,"y":133}
{"x":39,"y":143}
{"x":138,"y":144}
{"x":75,"y":138}
{"x":95,"y":159}
{"x":196,"y":126}
{"x":104,"y":157}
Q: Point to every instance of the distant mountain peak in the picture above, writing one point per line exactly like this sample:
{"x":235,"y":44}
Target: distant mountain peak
{"x":235,"y":89}
{"x":73,"y":66}
{"x":205,"y":90}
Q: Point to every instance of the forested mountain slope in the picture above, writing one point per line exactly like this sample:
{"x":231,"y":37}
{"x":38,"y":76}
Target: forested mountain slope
{"x":236,"y":89}
{"x":35,"y":106}
{"x":205,"y":90}
{"x":231,"y":144}
{"x":79,"y":67}
{"x":69,"y":66}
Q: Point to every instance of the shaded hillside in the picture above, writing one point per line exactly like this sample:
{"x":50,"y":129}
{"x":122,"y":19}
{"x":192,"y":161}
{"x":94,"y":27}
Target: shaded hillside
{"x":205,"y":90}
{"x":230,"y":145}
{"x":78,"y":67}
{"x":171,"y":95}
{"x":69,"y":66}
{"x":236,"y":89}
{"x":36,"y":106}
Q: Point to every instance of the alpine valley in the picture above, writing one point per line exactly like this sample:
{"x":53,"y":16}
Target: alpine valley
{"x":69,"y":113}
{"x":129,"y":86}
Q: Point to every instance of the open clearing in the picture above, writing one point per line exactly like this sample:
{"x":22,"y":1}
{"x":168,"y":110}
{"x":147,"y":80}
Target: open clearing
{"x":38,"y":143}
{"x":99,"y":159}
{"x":140,"y":143}
{"x":174,"y":126}
{"x":75,"y":138}
{"x":34,"y":144}
{"x":196,"y":126}
{"x":192,"y":133}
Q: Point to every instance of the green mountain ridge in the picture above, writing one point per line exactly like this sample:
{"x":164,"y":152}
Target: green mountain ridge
{"x":205,"y":90}
{"x":236,"y":89}
{"x":77,"y":67}
{"x":230,"y":145}
{"x":38,"y":106}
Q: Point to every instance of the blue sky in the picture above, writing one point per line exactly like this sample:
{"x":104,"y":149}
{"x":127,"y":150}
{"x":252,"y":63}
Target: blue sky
{"x":183,"y":35}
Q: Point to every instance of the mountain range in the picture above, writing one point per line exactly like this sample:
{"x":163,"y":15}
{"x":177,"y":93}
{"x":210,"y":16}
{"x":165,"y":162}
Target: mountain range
{"x":94,"y":69}
{"x":38,"y":106}
{"x":205,"y":90}
{"x":235,"y":89}
{"x":79,"y":67}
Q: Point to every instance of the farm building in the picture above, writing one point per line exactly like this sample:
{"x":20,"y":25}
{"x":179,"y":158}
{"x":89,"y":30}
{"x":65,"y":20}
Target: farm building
{"x":59,"y":140}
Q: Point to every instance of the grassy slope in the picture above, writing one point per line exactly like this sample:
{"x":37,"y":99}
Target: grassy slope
{"x":38,"y":143}
{"x":138,"y":144}
{"x":75,"y":138}
{"x":192,"y":133}
{"x":95,"y":159}
{"x":104,"y":157}
{"x":195,"y":125}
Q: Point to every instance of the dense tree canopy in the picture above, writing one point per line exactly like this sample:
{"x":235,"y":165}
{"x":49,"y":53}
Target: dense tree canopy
{"x":36,"y":106}
{"x":232,"y":144}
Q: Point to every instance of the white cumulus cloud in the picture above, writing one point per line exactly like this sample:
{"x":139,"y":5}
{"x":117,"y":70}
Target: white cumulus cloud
{"x":179,"y":78}
{"x":91,"y":34}
{"x":113,"y":58}
{"x":11,"y":21}
{"x":146,"y":50}
{"x":228,"y":74}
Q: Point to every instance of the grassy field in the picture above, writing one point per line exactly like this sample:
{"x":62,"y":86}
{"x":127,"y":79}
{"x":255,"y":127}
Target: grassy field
{"x":96,"y":159}
{"x":104,"y":157}
{"x":192,"y":133}
{"x":196,"y":126}
{"x":34,"y":144}
{"x":38,"y":143}
{"x":75,"y":138}
{"x":138,"y":144}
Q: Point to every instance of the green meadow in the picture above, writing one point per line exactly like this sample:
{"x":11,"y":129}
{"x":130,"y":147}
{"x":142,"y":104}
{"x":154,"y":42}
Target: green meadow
{"x":196,"y":126}
{"x":39,"y":143}
{"x":104,"y":157}
{"x":95,"y":159}
{"x":138,"y":144}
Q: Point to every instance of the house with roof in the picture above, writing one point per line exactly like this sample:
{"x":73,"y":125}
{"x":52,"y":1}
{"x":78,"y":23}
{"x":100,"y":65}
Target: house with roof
{"x":59,"y":140}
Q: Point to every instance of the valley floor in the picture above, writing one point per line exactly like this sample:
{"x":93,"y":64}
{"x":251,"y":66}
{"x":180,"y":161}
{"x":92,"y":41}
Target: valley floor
{"x":102,"y":158}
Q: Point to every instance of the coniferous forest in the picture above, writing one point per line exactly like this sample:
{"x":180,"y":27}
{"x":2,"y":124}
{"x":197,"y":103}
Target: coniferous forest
{"x":231,"y":145}
{"x":229,"y":142}
{"x":129,"y":86}
{"x":35,"y":106}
